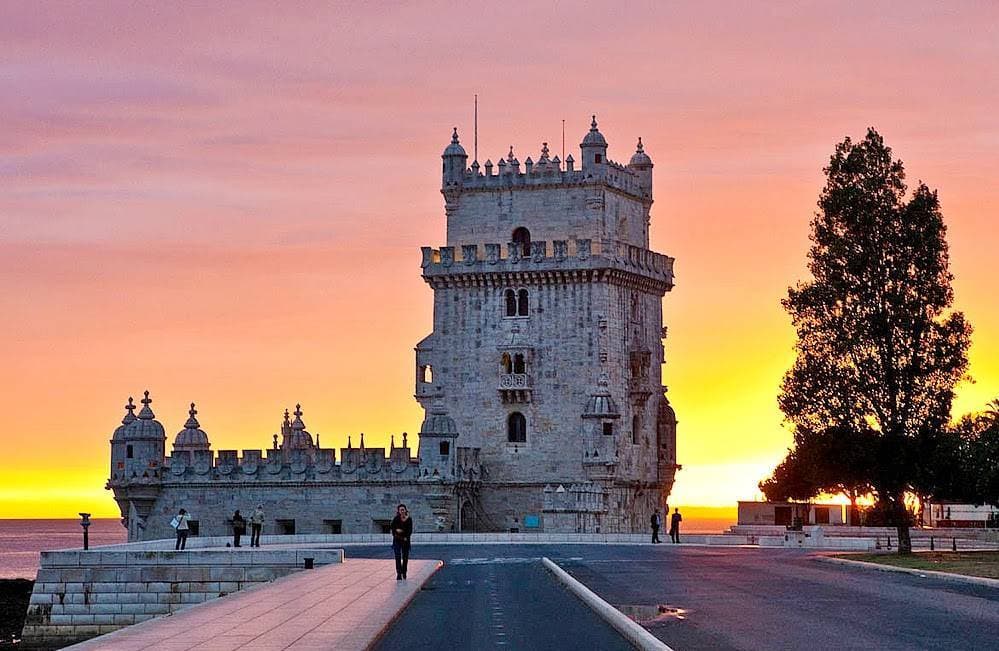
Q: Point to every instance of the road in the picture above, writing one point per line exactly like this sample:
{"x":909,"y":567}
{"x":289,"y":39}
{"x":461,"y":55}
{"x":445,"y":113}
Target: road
{"x":725,"y":599}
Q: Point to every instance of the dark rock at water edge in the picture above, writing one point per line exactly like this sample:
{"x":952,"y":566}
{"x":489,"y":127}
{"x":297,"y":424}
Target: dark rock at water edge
{"x":14,"y":596}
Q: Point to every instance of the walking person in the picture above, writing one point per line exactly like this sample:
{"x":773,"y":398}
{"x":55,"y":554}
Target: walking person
{"x":238,"y":527}
{"x":256,"y":524}
{"x":180,"y":523}
{"x":657,"y":523}
{"x":674,"y":526}
{"x":402,"y":531}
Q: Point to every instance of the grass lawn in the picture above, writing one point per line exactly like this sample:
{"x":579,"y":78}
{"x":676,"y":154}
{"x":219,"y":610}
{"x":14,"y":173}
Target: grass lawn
{"x":968,"y":563}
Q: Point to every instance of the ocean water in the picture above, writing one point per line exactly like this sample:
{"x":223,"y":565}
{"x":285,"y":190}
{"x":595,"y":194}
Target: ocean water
{"x":21,"y":540}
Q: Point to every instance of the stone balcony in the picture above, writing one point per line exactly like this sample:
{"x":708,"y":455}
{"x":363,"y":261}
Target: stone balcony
{"x":515,"y":387}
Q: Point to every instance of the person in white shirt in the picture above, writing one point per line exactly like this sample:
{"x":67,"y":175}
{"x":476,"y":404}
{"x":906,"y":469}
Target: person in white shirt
{"x":180,"y":523}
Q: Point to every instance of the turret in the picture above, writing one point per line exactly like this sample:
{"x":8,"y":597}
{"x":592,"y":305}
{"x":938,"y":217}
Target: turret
{"x":437,"y":442}
{"x":641,"y":164}
{"x":145,"y":444}
{"x":294,"y":434}
{"x":119,"y":450}
{"x":455,"y":162}
{"x":594,"y":151}
{"x":192,"y":437}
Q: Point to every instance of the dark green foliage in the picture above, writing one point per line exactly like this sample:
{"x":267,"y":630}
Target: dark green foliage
{"x":879,"y":351}
{"x":14,"y":596}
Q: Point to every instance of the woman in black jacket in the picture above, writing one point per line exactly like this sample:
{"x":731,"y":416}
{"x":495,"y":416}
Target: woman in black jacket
{"x":402,"y":530}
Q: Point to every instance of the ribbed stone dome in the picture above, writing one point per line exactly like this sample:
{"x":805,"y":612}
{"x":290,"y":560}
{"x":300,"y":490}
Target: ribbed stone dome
{"x":192,"y":437}
{"x":437,"y":420}
{"x":600,"y":403}
{"x":640,"y":157}
{"x":594,"y":137}
{"x":455,"y":148}
{"x":145,"y":426}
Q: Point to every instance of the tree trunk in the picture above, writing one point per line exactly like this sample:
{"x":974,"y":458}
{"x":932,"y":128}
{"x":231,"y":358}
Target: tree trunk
{"x":902,"y":525}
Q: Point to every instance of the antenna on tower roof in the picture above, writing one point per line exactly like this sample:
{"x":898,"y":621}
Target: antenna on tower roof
{"x":475,"y":147}
{"x":563,"y":138}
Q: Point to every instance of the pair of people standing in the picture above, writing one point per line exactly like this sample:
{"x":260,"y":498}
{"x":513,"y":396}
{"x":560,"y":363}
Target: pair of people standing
{"x":256,"y":525}
{"x":402,"y":531}
{"x":674,"y":526}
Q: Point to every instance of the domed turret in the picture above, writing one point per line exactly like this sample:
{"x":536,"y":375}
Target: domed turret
{"x":437,"y":438}
{"x":601,"y":404}
{"x":640,"y":158}
{"x":295,"y":436}
{"x":455,"y":161}
{"x":119,"y":433}
{"x":641,"y":165}
{"x":145,"y":443}
{"x":594,"y":148}
{"x":118,"y":445}
{"x":192,"y":437}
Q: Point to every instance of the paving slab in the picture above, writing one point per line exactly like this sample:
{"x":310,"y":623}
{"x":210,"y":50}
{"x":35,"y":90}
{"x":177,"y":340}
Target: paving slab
{"x":344,"y":606}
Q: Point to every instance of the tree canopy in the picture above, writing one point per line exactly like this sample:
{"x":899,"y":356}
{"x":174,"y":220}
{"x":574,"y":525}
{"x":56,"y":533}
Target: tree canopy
{"x":879,"y":349}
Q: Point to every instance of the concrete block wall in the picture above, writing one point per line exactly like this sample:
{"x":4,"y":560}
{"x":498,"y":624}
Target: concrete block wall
{"x":81,"y":594}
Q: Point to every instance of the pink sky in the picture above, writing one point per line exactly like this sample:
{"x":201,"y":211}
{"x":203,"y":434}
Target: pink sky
{"x":225,"y":202}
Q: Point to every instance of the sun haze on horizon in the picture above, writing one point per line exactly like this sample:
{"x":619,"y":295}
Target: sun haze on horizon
{"x":225,"y":205}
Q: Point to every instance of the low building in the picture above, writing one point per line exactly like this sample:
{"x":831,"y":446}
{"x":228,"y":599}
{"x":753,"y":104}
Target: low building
{"x":789,"y":513}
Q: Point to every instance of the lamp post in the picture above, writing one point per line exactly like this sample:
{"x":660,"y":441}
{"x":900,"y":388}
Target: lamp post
{"x":85,"y":523}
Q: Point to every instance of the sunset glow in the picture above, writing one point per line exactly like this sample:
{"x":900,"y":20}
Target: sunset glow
{"x":226,"y":204}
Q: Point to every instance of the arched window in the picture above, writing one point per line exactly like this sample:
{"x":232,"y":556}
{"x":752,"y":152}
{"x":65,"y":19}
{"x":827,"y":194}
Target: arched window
{"x":128,"y":451}
{"x":516,"y":428}
{"x":636,"y":428}
{"x":506,"y":364}
{"x":427,"y":374}
{"x":518,"y":363}
{"x":522,"y":305}
{"x":522,"y":236}
{"x":511,"y":302}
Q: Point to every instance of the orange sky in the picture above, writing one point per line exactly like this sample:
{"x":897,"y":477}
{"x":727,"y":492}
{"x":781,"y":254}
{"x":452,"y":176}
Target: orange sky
{"x":226,"y":204}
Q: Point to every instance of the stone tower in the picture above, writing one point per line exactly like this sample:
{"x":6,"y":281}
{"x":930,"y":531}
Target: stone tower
{"x":546,"y":347}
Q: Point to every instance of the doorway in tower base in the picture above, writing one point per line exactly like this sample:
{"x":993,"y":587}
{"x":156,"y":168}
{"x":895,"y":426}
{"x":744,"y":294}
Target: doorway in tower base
{"x":467,"y":517}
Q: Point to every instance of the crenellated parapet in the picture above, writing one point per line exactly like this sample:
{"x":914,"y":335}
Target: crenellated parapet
{"x":442,"y":265}
{"x":551,"y":174}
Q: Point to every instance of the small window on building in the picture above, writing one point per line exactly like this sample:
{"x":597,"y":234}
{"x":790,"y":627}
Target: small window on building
{"x":522,"y":237}
{"x":286,"y":527}
{"x":518,"y":364}
{"x":382,"y":526}
{"x":426,"y":374}
{"x":506,"y":364}
{"x":511,"y":302}
{"x":333,"y":526}
{"x":128,"y":452}
{"x":597,"y":158}
{"x":445,"y":448}
{"x":608,"y":429}
{"x":516,"y":428}
{"x":522,"y":304}
{"x":636,"y":429}
{"x":193,"y":527}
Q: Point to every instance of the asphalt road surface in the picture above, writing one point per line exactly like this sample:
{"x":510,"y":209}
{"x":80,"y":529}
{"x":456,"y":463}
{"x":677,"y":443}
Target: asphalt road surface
{"x":692,"y":598}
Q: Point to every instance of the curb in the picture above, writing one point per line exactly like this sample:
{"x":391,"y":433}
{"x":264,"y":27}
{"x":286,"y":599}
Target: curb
{"x":405,"y":604}
{"x":631,"y":630}
{"x":943,"y":576}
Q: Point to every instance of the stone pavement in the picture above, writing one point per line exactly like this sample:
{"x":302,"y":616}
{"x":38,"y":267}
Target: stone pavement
{"x":344,"y":606}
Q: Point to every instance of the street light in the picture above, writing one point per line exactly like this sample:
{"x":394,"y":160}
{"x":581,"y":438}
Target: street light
{"x":86,"y":525}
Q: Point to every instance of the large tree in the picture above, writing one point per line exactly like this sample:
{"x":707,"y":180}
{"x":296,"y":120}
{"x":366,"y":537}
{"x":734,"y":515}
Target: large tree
{"x":879,"y":350}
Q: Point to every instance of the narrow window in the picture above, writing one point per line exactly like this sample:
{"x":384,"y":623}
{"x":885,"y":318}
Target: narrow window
{"x":518,"y":363}
{"x":506,"y":364}
{"x":598,"y":158}
{"x":522,"y":236}
{"x":636,"y":428}
{"x":516,"y":428}
{"x":608,"y":429}
{"x":511,"y":303}
{"x":426,"y":374}
{"x":128,"y":452}
{"x":445,"y":448}
{"x":522,"y":305}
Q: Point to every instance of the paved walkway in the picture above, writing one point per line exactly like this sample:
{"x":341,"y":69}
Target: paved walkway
{"x":344,"y":606}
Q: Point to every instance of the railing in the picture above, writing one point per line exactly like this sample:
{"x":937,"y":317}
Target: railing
{"x":515,"y":381}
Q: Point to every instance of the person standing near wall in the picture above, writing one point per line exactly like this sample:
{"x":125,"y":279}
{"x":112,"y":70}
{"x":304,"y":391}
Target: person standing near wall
{"x":402,"y":531}
{"x":674,"y":526}
{"x":238,"y":527}
{"x":256,"y":524}
{"x":180,"y":523}
{"x":657,"y":522}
